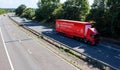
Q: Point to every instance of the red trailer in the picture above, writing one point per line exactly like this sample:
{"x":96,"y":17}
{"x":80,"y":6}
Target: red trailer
{"x":80,"y":30}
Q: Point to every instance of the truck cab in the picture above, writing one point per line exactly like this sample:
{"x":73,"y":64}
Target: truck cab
{"x":92,"y":36}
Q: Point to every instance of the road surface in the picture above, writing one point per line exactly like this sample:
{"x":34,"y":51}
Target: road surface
{"x":4,"y":63}
{"x":104,"y":51}
{"x":20,"y":52}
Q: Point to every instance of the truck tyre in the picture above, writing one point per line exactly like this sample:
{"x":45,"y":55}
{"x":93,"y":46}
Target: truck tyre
{"x":89,"y":42}
{"x":57,"y":32}
{"x":81,"y":39}
{"x":85,"y":41}
{"x":77,"y":38}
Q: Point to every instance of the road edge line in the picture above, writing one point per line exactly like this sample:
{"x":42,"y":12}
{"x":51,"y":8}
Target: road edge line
{"x":10,"y":62}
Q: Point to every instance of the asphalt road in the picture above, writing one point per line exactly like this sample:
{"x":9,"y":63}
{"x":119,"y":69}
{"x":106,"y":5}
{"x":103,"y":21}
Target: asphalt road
{"x":20,"y":52}
{"x":4,"y":63}
{"x":104,"y":51}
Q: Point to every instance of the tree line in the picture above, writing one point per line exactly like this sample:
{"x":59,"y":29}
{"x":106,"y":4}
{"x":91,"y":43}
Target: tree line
{"x":103,"y":13}
{"x":2,"y":11}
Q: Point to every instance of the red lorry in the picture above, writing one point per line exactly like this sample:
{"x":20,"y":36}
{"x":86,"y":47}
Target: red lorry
{"x":79,"y":30}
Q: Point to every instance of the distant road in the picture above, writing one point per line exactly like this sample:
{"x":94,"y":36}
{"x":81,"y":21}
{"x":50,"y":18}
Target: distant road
{"x":104,"y":51}
{"x":24,"y":53}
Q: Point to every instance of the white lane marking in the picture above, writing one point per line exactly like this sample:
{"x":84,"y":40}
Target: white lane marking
{"x":107,"y":56}
{"x":11,"y":65}
{"x":100,"y":50}
{"x":113,"y":44}
{"x":29,"y":51}
{"x":117,"y":57}
{"x":110,"y":47}
{"x":20,"y":41}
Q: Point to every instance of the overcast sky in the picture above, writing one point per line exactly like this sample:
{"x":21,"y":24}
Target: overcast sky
{"x":28,"y":3}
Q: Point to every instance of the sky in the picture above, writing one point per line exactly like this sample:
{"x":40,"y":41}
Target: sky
{"x":28,"y":3}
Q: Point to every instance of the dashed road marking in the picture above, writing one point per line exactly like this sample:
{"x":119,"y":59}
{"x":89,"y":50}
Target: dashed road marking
{"x":100,"y":50}
{"x":110,"y":47}
{"x":20,"y":41}
{"x":117,"y":57}
{"x":29,"y":51}
{"x":107,"y":56}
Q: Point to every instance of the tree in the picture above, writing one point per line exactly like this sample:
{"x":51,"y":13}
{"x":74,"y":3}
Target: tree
{"x":58,"y":12}
{"x":97,"y":13}
{"x":106,"y":15}
{"x":2,"y":11}
{"x":46,"y":8}
{"x":76,"y":9}
{"x":113,"y":13}
{"x":20,"y":10}
{"x":28,"y":13}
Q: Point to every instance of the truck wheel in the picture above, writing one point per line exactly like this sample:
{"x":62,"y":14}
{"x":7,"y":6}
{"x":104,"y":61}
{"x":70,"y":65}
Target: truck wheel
{"x":77,"y":38}
{"x":57,"y":32}
{"x":81,"y":40}
{"x":85,"y":40}
{"x":89,"y":42}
